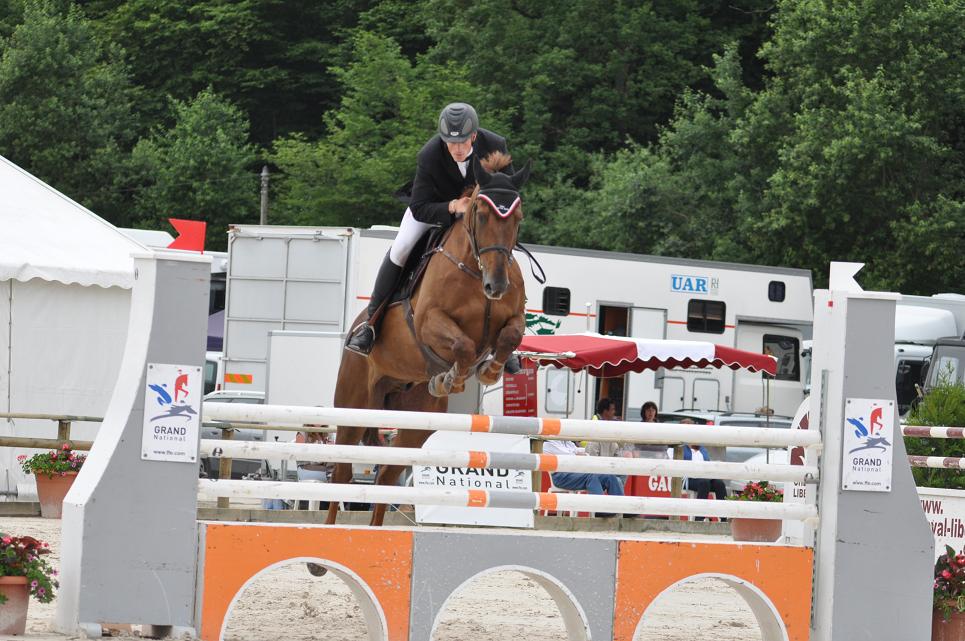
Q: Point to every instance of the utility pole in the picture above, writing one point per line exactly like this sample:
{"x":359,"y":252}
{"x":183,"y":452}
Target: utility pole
{"x":264,"y":195}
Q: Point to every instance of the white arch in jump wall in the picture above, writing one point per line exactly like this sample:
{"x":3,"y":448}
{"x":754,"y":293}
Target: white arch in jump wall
{"x":372,"y":612}
{"x":767,"y":616}
{"x":574,"y":617}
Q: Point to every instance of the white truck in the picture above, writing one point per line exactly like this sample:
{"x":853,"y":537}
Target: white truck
{"x":920,"y":321}
{"x":316,"y":279}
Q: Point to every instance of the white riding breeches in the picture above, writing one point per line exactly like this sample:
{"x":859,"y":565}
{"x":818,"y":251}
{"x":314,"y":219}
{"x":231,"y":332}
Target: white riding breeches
{"x":410,"y":231}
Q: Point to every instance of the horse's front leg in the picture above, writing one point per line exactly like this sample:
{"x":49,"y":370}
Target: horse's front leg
{"x":442,"y":334}
{"x":510,"y":336}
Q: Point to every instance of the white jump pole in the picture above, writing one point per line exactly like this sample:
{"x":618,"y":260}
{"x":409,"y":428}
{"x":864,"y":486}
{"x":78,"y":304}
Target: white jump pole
{"x":938,"y":462}
{"x":294,"y":452}
{"x":503,"y":499}
{"x":574,"y":429}
{"x":933,"y":431}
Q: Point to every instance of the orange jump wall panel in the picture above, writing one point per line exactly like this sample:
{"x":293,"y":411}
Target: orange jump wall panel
{"x":646,"y":568}
{"x":235,"y":553}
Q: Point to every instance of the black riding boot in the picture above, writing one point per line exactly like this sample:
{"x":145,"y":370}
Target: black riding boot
{"x":363,"y":336}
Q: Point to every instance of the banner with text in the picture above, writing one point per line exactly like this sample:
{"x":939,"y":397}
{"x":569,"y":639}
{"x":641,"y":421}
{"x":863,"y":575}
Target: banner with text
{"x":464,"y":478}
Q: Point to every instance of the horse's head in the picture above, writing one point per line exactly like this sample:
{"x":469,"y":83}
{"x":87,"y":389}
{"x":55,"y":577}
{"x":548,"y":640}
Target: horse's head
{"x":493,"y":224}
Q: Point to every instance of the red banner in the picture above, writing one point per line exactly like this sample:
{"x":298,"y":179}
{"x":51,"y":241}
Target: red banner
{"x":519,"y":391}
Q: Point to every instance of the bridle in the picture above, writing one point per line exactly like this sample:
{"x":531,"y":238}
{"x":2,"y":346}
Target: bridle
{"x":497,"y":198}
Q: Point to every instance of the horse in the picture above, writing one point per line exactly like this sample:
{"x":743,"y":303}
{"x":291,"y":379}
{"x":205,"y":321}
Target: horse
{"x":465,"y":316}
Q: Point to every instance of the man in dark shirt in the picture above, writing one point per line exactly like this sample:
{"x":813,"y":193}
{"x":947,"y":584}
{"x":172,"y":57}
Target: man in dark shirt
{"x":444,"y":171}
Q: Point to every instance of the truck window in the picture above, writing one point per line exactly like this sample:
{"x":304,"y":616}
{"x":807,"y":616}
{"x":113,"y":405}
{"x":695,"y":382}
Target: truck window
{"x":210,"y":375}
{"x":706,"y":316}
{"x":787,"y":351}
{"x":556,"y":301}
{"x":907,"y":374}
{"x":776,"y":291}
{"x":948,"y":370}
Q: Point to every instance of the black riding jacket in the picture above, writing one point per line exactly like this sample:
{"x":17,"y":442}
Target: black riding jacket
{"x":438,"y":181}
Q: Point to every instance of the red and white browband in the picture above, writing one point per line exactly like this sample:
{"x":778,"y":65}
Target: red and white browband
{"x":501,"y":203}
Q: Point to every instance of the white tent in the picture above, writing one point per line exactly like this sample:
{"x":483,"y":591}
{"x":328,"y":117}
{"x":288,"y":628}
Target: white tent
{"x":65,"y":285}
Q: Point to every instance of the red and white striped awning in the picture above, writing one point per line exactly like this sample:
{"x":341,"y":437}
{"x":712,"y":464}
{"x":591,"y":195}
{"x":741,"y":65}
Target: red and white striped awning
{"x":616,"y":355}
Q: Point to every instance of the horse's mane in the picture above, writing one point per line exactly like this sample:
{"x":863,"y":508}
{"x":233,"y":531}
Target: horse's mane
{"x":492,"y":163}
{"x":496,"y":161}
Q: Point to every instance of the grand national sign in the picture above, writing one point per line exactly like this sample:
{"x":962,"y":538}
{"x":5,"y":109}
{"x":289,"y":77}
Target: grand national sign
{"x":467,"y":478}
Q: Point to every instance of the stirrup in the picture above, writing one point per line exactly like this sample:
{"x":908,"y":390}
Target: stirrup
{"x":362,"y":339}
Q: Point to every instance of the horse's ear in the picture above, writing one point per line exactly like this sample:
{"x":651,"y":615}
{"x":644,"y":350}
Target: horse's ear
{"x":520,"y":177}
{"x":482,"y":176}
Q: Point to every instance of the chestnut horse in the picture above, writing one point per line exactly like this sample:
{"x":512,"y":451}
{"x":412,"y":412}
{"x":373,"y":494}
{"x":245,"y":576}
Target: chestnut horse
{"x":463,"y":321}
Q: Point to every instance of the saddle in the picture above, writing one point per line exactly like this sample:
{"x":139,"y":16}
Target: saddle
{"x":415,"y":266}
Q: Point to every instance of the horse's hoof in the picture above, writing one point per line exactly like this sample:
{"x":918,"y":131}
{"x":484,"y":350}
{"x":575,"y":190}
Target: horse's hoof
{"x":486,"y":375}
{"x":487,"y":378}
{"x":458,"y":389}
{"x":436,"y":387}
{"x":316,"y":570}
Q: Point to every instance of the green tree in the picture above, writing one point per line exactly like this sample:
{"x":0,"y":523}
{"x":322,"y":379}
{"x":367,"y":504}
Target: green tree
{"x":851,"y":151}
{"x":200,"y":169}
{"x":269,"y":57}
{"x":857,"y":131}
{"x":929,"y":245}
{"x":387,"y":113}
{"x":65,"y":108}
{"x":581,"y":76}
{"x":675,"y":197}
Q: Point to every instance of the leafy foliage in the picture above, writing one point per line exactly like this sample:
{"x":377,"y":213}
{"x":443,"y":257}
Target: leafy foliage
{"x":348,"y":178}
{"x":58,"y":462}
{"x":760,"y":491}
{"x":943,"y":405}
{"x":23,"y":556}
{"x":789,"y":133}
{"x":948,"y":592}
{"x":65,"y":106}
{"x":200,"y":169}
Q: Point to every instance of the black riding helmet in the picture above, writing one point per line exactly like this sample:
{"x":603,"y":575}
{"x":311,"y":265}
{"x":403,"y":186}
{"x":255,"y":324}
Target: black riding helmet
{"x":458,"y":122}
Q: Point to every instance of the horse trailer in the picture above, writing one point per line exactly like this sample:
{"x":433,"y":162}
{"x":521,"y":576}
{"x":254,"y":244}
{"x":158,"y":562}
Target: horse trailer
{"x":317,"y":279}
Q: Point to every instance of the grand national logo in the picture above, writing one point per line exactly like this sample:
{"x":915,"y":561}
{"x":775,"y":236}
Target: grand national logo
{"x":872,"y":442}
{"x":178,"y":410}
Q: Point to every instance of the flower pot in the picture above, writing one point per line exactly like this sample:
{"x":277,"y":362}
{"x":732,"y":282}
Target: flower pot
{"x":755,"y":530}
{"x":951,"y":630}
{"x":13,"y":613}
{"x":51,"y":491}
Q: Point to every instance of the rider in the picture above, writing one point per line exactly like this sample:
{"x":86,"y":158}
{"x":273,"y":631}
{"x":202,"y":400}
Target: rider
{"x":444,"y":171}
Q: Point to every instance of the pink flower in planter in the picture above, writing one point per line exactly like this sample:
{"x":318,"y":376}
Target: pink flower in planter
{"x":22,"y":457}
{"x":34,"y":584}
{"x":65,"y":446}
{"x":7,"y":540}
